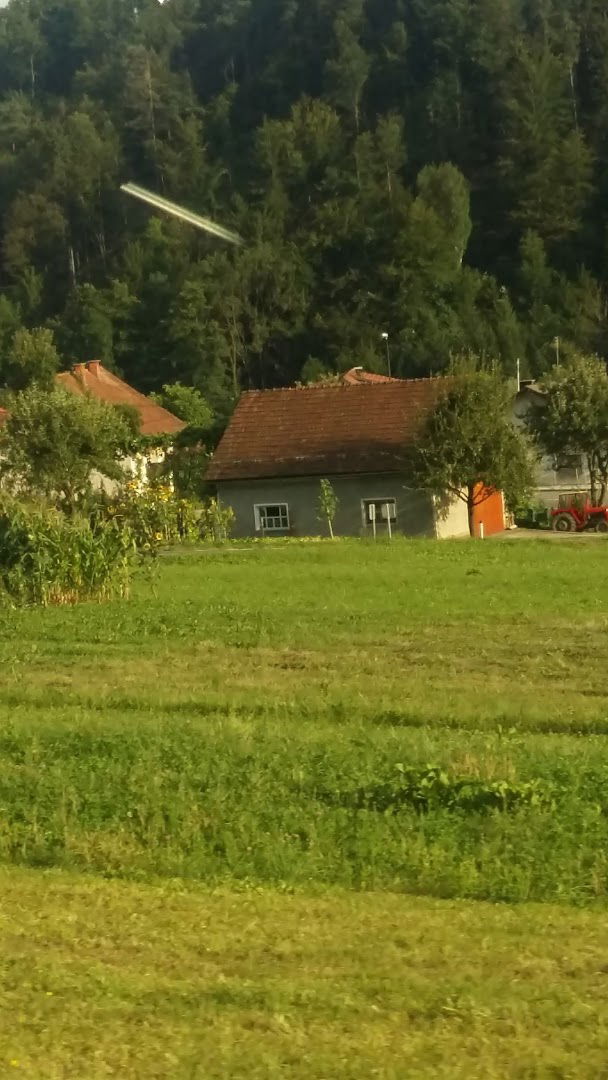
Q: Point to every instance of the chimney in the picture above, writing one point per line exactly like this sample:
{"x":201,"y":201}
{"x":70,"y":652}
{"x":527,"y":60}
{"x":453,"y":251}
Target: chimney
{"x":79,"y":370}
{"x":93,"y":366}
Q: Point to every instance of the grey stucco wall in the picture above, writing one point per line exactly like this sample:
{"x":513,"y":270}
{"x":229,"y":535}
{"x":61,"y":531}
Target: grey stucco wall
{"x":415,"y":513}
{"x":550,"y":481}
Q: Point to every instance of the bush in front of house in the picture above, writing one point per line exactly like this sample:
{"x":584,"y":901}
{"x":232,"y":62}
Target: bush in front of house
{"x":157,"y":516}
{"x":48,"y":558}
{"x":153,"y":513}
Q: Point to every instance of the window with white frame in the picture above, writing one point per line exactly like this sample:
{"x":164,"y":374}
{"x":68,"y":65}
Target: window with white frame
{"x":271,"y":517}
{"x":379,"y":510}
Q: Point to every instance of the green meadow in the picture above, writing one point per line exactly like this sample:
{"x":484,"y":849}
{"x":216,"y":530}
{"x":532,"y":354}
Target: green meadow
{"x":311,"y":810}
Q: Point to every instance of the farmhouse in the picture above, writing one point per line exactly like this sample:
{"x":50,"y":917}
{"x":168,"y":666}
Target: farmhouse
{"x":281,"y":443}
{"x":154,"y":421}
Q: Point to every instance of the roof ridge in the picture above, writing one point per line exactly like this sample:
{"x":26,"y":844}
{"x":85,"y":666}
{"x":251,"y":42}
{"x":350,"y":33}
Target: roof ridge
{"x":343,"y":386}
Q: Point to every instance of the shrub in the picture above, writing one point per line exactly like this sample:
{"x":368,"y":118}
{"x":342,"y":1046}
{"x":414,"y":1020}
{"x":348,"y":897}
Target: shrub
{"x":157,"y":516}
{"x":423,"y":789}
{"x":48,"y":558}
{"x":154,"y":514}
{"x":533,"y":516}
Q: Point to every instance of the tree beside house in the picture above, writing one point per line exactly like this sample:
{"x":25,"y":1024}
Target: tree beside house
{"x":469,"y":446}
{"x":568,"y":417}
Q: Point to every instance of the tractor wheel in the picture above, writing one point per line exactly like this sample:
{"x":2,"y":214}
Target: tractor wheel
{"x":563,"y":523}
{"x":602,"y":526}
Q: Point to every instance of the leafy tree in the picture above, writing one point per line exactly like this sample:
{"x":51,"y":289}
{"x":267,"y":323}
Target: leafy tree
{"x":54,"y":440}
{"x":349,"y":71}
{"x":538,"y":135}
{"x":191,"y":450}
{"x":314,"y":372}
{"x":187,"y":403}
{"x":444,"y":190}
{"x":328,"y":505}
{"x":35,"y":234}
{"x":10,"y":322}
{"x":469,"y":446}
{"x":573,"y":418}
{"x":85,"y":330}
{"x":31,"y":357}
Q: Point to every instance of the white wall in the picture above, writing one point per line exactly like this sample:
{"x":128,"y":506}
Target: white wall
{"x":135,"y":468}
{"x":451,"y":520}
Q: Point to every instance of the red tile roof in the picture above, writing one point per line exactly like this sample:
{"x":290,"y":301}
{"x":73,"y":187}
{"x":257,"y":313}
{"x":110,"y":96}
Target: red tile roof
{"x":317,"y":430}
{"x":357,"y":375}
{"x":3,"y":417}
{"x":95,"y":379}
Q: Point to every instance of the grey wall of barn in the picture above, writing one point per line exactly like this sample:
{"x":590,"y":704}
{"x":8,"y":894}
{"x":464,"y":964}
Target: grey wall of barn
{"x":550,"y":481}
{"x":415,"y":512}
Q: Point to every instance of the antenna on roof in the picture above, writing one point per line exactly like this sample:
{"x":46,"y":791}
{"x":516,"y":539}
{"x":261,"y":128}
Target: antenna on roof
{"x":180,"y":212}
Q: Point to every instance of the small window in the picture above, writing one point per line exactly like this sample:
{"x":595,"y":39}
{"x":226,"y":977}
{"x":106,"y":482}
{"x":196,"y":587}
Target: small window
{"x":271,"y":517}
{"x":568,"y":466}
{"x":380,"y":511}
{"x":568,"y":461}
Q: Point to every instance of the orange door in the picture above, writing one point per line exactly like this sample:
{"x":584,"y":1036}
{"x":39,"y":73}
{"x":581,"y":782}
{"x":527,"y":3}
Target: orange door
{"x":490,"y":513}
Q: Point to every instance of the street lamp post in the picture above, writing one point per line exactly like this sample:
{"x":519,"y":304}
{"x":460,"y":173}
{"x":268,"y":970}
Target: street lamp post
{"x":388,"y":352}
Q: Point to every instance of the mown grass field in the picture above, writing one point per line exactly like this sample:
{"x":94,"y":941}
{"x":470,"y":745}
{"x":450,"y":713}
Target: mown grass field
{"x":244,"y":748}
{"x":112,"y":979}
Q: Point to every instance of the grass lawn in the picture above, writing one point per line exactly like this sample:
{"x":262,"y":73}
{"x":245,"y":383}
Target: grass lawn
{"x":290,"y":811}
{"x":451,"y":633}
{"x":106,"y":979}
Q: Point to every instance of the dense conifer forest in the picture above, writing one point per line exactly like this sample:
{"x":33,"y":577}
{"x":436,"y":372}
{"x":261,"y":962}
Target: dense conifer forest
{"x":432,"y":169}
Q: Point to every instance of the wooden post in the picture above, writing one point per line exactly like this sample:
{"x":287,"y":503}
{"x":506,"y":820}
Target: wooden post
{"x":388,"y":521}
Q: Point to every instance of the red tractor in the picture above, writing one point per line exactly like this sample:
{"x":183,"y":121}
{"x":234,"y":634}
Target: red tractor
{"x":581,"y":516}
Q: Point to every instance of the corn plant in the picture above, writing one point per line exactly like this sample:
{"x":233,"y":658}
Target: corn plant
{"x":48,"y":558}
{"x":215,"y":521}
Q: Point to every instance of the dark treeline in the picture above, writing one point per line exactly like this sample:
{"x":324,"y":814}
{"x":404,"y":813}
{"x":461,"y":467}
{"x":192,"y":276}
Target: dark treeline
{"x":434,"y":169}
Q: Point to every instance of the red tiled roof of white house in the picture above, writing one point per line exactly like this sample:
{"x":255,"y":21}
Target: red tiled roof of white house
{"x":93,"y":378}
{"x":356,"y":375}
{"x":338,"y":428}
